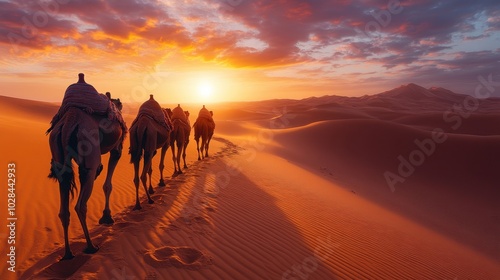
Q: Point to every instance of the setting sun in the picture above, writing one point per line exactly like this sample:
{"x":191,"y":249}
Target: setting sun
{"x":205,"y":90}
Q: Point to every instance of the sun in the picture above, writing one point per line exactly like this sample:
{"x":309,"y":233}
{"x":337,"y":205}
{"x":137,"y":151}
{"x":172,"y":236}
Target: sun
{"x":205,"y":90}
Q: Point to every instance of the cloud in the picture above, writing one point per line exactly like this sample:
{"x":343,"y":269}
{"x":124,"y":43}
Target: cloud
{"x":20,"y":26}
{"x":459,"y":73}
{"x":338,"y":35}
{"x":110,"y":26}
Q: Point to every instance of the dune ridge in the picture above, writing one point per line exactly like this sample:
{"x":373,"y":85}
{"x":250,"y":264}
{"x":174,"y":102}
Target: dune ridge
{"x":294,"y":188}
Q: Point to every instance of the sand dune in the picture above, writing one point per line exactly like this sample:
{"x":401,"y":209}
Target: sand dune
{"x":476,"y":124}
{"x":294,"y":189}
{"x":460,"y":168}
{"x":25,"y":109}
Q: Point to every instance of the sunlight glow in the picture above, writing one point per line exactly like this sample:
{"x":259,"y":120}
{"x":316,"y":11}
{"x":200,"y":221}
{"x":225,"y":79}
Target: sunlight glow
{"x":205,"y":91}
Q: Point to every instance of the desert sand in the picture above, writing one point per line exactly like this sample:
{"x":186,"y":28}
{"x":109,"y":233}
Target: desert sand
{"x":293,"y":189}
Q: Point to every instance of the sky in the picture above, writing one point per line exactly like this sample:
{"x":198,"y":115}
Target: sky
{"x":240,"y":50}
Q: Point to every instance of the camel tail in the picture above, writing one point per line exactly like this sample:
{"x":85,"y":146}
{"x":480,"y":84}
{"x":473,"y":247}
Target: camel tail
{"x":175,"y":131}
{"x":205,"y":133}
{"x":197,"y":130}
{"x":61,"y":138}
{"x":137,"y":134}
{"x":66,"y":178}
{"x":201,"y":130}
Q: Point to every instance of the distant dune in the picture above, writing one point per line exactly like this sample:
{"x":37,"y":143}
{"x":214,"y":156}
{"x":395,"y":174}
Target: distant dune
{"x":293,"y":189}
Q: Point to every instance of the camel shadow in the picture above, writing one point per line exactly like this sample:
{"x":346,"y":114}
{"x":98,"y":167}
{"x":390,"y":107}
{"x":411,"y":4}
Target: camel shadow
{"x":195,"y":225}
{"x":126,"y":220}
{"x":225,"y":222}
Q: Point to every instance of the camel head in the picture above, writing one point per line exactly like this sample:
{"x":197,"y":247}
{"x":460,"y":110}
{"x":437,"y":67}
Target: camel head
{"x":187,"y":113}
{"x":116,"y":101}
{"x":169,"y":112}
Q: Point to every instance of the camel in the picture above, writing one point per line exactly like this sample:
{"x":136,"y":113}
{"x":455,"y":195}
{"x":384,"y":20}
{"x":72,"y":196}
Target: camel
{"x":204,"y":127}
{"x":180,"y":136}
{"x":149,"y":132}
{"x":83,"y":134}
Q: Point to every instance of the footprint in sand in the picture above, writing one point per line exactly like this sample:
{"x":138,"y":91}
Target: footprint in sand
{"x":151,"y":275}
{"x":64,"y":269}
{"x":210,"y":209}
{"x":177,"y":181}
{"x":193,"y":219}
{"x":173,"y":227}
{"x":179,"y":257}
{"x":137,"y":216}
{"x":121,"y":225}
{"x":157,"y":197}
{"x":201,"y":220}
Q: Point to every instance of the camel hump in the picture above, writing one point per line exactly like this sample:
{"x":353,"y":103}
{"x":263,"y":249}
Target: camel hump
{"x":85,"y":96}
{"x":151,"y":106}
{"x":204,"y":113}
{"x":81,"y":88}
{"x":178,"y":113}
{"x":152,"y":109}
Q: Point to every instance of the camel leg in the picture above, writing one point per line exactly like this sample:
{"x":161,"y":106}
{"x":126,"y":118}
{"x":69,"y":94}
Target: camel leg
{"x":198,"y":147}
{"x":62,"y":171}
{"x":172,"y":147}
{"x":64,"y":190}
{"x":136,"y":183}
{"x":87,"y":176}
{"x":178,"y":158}
{"x":184,"y":154}
{"x":207,"y":145}
{"x":203,"y":141}
{"x":148,"y":157}
{"x":108,"y":187}
{"x":162,"y":164}
{"x":150,"y":172}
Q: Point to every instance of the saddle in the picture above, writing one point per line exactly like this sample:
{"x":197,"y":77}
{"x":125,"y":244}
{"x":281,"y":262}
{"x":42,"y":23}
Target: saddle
{"x":204,"y":114}
{"x":85,"y":97}
{"x":179,"y":116}
{"x":152,"y":109}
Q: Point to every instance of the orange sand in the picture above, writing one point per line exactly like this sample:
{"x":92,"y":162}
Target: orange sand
{"x":292,"y":189}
